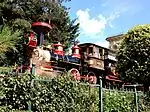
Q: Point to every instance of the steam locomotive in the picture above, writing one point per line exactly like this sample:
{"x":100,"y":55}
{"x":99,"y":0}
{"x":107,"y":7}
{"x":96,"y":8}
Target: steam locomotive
{"x":88,"y":61}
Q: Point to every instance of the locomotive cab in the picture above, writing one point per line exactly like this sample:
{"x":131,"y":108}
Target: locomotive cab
{"x":92,"y":59}
{"x":95,"y":55}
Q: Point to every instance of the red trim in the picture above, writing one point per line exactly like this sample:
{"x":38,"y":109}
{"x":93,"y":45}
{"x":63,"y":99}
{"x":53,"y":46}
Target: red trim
{"x":42,"y":24}
{"x":75,"y":47}
{"x":92,"y":79}
{"x":32,"y":44}
{"x":76,"y":55}
{"x":76,"y":75}
{"x":112,"y":79}
{"x":58,"y":52}
{"x":58,"y":45}
{"x":32,"y":40}
{"x":46,"y":66}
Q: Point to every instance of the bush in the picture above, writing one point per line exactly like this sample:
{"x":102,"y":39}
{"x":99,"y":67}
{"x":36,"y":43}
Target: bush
{"x":115,"y":101}
{"x":16,"y":91}
{"x":4,"y":109}
{"x":58,"y":95}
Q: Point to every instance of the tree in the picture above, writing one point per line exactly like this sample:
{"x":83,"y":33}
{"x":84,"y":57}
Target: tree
{"x":20,"y":14}
{"x":8,"y":42}
{"x":8,"y":39}
{"x":134,"y":56}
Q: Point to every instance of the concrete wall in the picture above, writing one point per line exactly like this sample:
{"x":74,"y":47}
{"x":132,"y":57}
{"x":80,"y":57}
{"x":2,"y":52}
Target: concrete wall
{"x":114,"y":42}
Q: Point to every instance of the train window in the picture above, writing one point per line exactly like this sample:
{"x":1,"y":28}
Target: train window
{"x":73,"y":50}
{"x":84,"y":49}
{"x":55,"y":47}
{"x":96,"y":53}
{"x":101,"y":52}
{"x":90,"y":50}
{"x":105,"y":52}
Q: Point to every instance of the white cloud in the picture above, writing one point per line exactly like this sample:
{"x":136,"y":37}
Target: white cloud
{"x":116,"y":14}
{"x":112,"y":17}
{"x":94,"y":27}
{"x":103,"y":44}
{"x":91,"y":26}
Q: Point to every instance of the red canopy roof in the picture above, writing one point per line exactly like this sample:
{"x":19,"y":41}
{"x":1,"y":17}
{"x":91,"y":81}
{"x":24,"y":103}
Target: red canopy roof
{"x":42,"y":24}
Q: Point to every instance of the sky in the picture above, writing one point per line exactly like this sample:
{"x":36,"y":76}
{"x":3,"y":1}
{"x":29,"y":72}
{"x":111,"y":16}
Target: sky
{"x":100,"y":19}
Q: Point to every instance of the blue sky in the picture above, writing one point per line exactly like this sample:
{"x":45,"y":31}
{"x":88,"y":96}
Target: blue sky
{"x":100,"y":19}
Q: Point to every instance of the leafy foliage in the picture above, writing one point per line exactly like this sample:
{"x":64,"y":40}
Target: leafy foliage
{"x":63,"y":95}
{"x":123,"y":101}
{"x":8,"y":43}
{"x":114,"y":101}
{"x":144,"y":102}
{"x":134,"y":55}
{"x":59,"y":95}
{"x":16,"y":91}
{"x":16,"y":14}
{"x":20,"y":17}
{"x":8,"y":39}
{"x":61,"y":1}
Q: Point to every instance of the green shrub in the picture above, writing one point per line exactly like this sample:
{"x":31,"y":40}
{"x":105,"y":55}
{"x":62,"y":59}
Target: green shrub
{"x":60,"y":94}
{"x":16,"y":91}
{"x":4,"y":109}
{"x":115,"y":101}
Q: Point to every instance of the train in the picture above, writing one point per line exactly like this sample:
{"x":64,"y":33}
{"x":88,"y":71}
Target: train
{"x":87,"y":61}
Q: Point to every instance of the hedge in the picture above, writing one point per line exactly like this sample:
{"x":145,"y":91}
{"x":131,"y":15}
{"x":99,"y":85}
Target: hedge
{"x":60,"y":94}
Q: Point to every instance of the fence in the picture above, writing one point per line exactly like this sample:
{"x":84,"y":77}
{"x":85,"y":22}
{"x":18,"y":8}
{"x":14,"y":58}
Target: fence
{"x":108,"y":100}
{"x":71,"y":97}
{"x":56,"y":95}
{"x":122,"y":99}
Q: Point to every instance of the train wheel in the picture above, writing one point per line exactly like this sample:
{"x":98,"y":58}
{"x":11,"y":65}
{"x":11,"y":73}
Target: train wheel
{"x":92,"y":78}
{"x":75,"y":73}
